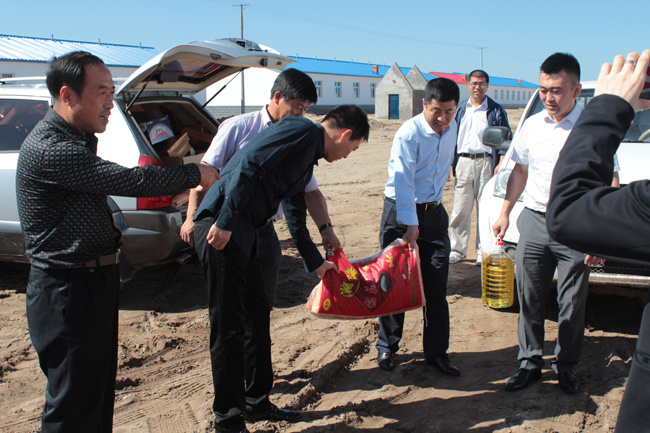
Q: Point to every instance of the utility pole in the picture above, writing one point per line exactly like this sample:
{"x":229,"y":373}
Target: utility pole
{"x":481,"y":48}
{"x":241,"y":7}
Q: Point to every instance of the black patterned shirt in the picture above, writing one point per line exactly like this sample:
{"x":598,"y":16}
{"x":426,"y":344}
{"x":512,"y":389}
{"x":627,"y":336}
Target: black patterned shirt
{"x":62,"y":188}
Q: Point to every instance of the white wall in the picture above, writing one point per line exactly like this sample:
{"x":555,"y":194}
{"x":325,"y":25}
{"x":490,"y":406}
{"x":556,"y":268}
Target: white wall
{"x":328,"y":95}
{"x":510,"y":96}
{"x":258,"y":83}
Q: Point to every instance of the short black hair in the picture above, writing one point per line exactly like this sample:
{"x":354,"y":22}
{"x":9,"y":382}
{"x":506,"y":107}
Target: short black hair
{"x":478,"y":74}
{"x":292,"y":83}
{"x":442,"y":90}
{"x":349,"y":117}
{"x":69,"y":70}
{"x":559,"y":62}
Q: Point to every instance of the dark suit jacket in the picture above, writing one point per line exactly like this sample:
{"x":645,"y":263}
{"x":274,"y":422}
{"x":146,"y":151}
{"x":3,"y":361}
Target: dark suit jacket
{"x":274,"y":166}
{"x":584,"y":212}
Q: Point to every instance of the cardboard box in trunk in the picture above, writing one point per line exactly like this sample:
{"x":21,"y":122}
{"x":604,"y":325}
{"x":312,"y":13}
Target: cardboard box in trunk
{"x":177,"y":160}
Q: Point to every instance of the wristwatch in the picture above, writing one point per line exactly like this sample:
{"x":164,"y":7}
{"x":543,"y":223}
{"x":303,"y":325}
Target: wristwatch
{"x":324,"y":226}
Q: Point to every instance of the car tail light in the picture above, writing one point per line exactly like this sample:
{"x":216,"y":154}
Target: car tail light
{"x":145,"y":203}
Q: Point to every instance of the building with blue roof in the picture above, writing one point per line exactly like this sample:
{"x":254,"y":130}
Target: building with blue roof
{"x":22,"y":56}
{"x":348,"y":82}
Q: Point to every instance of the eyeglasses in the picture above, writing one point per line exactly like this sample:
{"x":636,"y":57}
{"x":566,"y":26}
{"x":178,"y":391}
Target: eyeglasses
{"x":478,"y":84}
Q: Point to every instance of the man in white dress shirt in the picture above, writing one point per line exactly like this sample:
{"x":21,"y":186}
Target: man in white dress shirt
{"x":536,"y":149}
{"x":474,"y":163}
{"x":292,"y":94}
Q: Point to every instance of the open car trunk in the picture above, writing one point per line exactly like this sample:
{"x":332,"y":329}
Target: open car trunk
{"x":185,"y":130}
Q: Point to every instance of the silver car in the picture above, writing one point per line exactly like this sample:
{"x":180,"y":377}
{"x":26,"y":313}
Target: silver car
{"x":162,"y":88}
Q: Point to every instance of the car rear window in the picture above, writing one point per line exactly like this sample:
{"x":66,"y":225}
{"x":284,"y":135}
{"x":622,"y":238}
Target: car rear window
{"x":17,"y":119}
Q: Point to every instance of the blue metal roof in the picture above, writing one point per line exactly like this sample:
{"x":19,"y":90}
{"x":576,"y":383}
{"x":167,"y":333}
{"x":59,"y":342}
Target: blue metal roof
{"x":340,"y":67}
{"x":512,"y":82}
{"x":41,"y":50}
{"x":358,"y":69}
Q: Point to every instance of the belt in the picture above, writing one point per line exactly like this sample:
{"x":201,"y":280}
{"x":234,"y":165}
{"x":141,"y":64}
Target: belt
{"x":475,"y":155}
{"x":543,"y":214}
{"x":110,"y":259}
{"x":422,"y":206}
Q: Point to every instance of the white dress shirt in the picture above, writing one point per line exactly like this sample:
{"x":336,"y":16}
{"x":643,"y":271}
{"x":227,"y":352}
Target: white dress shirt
{"x":472,"y":125}
{"x":538,"y":145}
{"x":235,"y":133}
{"x":419,"y":165}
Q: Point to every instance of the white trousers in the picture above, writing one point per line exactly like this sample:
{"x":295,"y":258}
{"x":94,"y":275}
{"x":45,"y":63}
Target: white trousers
{"x":471,"y":177}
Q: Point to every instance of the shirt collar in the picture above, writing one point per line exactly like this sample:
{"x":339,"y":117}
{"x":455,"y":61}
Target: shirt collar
{"x":483,"y":104}
{"x":266,"y":117}
{"x":572,"y":117}
{"x":320,"y":146}
{"x":55,"y":119}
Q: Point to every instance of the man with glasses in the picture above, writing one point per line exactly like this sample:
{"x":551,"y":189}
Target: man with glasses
{"x":474,"y":163}
{"x":292,"y":94}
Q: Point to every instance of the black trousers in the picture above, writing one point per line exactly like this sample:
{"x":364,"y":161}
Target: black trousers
{"x":434,"y":246}
{"x":240,"y":341}
{"x":634,"y":415}
{"x":72,"y":317}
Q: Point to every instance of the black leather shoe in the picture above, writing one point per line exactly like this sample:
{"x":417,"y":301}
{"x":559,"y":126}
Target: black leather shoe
{"x":522,"y":378}
{"x":568,"y":382}
{"x":274,"y":414}
{"x":441,"y":362}
{"x":385,"y":361}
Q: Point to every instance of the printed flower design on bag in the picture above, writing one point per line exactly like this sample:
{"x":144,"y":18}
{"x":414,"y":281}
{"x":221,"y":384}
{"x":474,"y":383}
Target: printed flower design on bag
{"x":347,"y":289}
{"x":371,"y":288}
{"x":351,"y":273}
{"x":370,"y":303}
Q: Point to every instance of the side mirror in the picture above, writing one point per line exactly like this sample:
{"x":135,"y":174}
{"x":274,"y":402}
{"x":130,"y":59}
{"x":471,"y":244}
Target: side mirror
{"x":496,"y":137}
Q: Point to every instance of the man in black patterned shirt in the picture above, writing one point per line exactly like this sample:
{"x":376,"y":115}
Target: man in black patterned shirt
{"x":72,"y":293}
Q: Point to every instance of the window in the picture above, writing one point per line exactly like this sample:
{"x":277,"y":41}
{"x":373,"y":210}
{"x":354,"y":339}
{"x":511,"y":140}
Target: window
{"x":355,"y":90}
{"x":507,"y":95}
{"x":318,"y":85}
{"x":502,"y":95}
{"x":6,"y":75}
{"x":495,"y":94}
{"x":337,"y":89}
{"x":518,"y":94}
{"x":529,"y":95}
{"x":372,"y":90}
{"x":18,"y":118}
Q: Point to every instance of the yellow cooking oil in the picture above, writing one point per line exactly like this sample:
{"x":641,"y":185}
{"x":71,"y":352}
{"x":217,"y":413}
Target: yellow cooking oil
{"x":498,"y":279}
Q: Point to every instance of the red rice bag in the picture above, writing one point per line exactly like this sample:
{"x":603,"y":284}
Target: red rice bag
{"x":387,"y":283}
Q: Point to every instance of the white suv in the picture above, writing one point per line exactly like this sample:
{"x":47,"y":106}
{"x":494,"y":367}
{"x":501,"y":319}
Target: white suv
{"x":633,"y":154}
{"x":163,"y":87}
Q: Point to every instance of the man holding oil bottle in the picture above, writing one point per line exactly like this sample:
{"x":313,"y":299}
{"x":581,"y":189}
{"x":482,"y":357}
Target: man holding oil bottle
{"x":536,"y":149}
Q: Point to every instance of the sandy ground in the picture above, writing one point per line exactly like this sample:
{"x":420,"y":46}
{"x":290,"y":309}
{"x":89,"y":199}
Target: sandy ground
{"x":328,"y":368}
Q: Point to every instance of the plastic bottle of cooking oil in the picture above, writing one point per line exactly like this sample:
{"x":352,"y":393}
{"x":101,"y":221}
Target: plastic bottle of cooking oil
{"x":498,"y":278}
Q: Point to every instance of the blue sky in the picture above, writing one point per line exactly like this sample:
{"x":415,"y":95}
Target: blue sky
{"x":435,"y":36}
